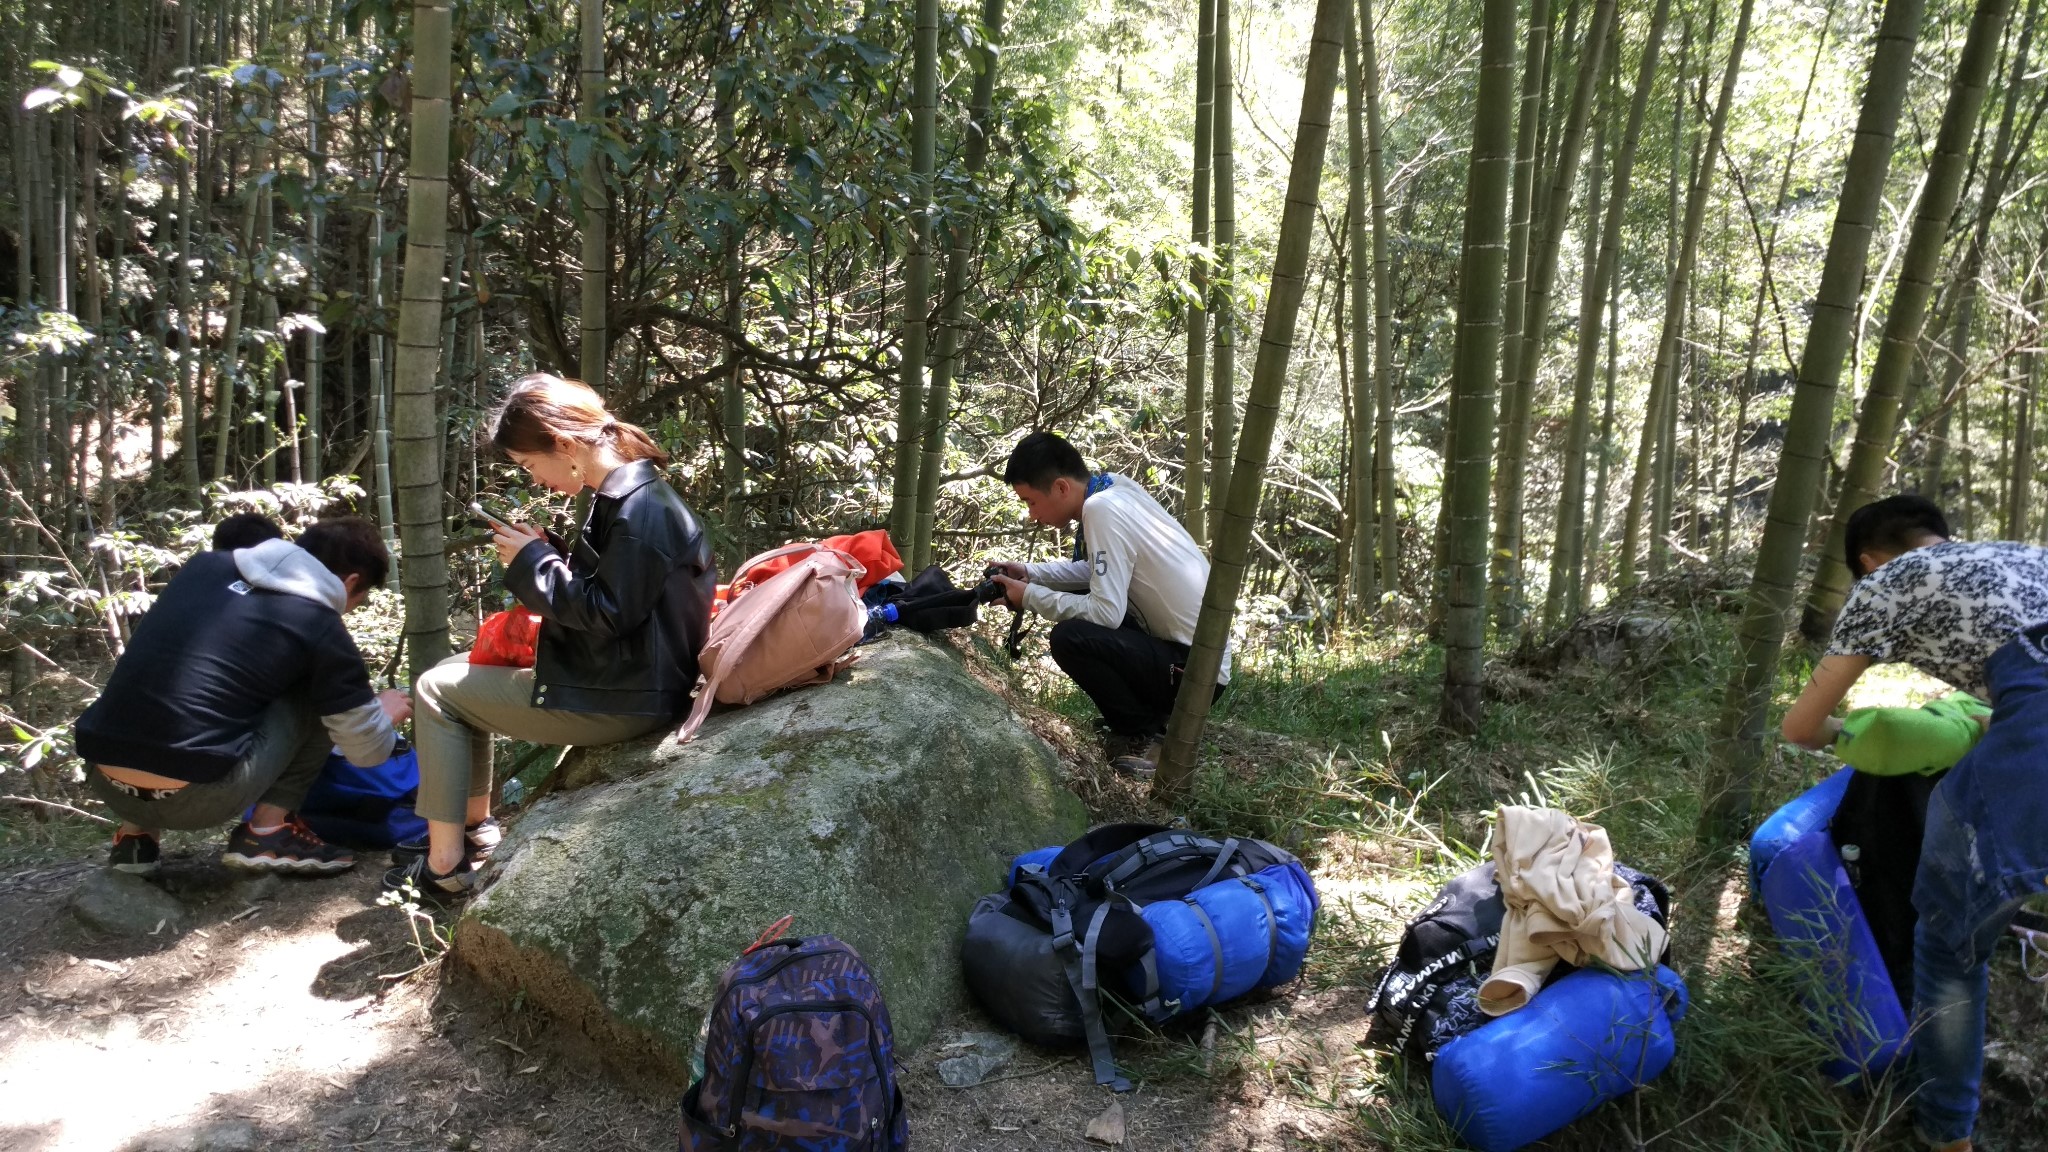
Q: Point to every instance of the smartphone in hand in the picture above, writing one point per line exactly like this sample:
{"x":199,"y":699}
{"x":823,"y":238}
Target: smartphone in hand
{"x":480,"y":512}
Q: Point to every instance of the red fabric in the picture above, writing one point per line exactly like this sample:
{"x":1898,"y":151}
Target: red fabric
{"x":506,"y":639}
{"x":873,"y":548}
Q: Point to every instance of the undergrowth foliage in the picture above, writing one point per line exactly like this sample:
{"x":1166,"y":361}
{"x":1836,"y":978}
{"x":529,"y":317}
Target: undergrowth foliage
{"x":1320,"y":747}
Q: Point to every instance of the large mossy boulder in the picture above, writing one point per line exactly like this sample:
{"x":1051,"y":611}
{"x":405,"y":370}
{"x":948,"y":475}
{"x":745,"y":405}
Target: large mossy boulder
{"x":876,"y":808}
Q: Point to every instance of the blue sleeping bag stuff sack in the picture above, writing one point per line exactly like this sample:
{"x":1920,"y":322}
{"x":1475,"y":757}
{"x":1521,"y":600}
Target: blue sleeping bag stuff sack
{"x":1167,"y":921}
{"x":1586,"y":1039}
{"x":1820,"y":923}
{"x":1220,"y":942}
{"x":366,"y":807}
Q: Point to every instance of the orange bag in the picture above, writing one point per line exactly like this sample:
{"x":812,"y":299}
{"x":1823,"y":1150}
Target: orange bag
{"x":795,"y":627}
{"x":506,"y":639}
{"x":872,"y":549}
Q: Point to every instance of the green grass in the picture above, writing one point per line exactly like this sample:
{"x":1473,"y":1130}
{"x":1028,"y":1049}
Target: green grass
{"x":1331,"y":747}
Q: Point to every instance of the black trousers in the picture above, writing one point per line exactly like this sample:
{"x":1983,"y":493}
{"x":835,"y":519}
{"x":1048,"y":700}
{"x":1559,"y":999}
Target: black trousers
{"x":1131,"y":675}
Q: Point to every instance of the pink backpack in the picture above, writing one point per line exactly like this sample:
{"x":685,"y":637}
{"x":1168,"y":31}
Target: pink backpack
{"x":796,"y":627}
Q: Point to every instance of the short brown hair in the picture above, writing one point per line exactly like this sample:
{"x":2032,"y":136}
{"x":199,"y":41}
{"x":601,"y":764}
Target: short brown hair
{"x":542,"y":413}
{"x":348,"y":545}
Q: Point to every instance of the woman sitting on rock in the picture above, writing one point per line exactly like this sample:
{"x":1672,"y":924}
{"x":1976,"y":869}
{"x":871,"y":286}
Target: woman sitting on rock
{"x":623,"y":616}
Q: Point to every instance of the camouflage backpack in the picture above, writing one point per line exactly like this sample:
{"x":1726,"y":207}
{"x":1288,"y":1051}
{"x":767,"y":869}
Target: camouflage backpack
{"x":797,"y":1057}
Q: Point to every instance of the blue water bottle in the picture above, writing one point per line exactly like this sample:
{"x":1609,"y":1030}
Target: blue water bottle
{"x":886,"y":613}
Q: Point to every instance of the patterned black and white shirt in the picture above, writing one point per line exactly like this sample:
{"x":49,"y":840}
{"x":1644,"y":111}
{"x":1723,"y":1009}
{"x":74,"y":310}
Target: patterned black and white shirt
{"x":1945,"y":609}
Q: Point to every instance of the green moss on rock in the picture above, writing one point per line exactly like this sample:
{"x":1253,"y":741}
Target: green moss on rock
{"x":876,"y":808}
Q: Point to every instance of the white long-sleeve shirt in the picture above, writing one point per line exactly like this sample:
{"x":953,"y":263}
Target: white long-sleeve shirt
{"x":1140,"y":561}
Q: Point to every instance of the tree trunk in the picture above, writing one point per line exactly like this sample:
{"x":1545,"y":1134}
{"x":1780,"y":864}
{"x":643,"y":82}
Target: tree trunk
{"x":1473,"y":361}
{"x":1521,"y":206}
{"x":1878,"y":424}
{"x":1269,"y":378}
{"x":1746,"y":384}
{"x":1194,"y":512}
{"x":243,"y":268}
{"x":1529,"y":168}
{"x":1361,"y":591}
{"x":1738,"y":742}
{"x":1223,"y":396}
{"x":417,"y":430}
{"x":1382,"y":309}
{"x":1953,"y":390}
{"x":1684,"y":143}
{"x":732,"y":404}
{"x":2020,"y":469}
{"x":1556,"y":210}
{"x":917,"y":274}
{"x":272,"y":359}
{"x":595,"y":201}
{"x":1661,"y":410}
{"x":1561,"y":595}
{"x":316,"y":220}
{"x":960,"y":237}
{"x":380,"y":423}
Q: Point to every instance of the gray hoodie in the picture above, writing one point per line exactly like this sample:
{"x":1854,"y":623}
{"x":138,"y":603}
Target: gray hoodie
{"x":362,"y":734}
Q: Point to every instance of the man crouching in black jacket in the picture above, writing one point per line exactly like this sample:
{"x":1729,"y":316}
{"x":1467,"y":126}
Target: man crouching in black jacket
{"x":236,"y":684}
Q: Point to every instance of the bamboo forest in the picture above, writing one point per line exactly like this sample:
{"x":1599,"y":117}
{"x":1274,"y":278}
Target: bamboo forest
{"x":1583,"y":448}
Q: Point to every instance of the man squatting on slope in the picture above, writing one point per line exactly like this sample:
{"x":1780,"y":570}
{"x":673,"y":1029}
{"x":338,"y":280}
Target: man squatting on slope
{"x":235,"y":685}
{"x":1125,"y":607}
{"x":1976,"y":616}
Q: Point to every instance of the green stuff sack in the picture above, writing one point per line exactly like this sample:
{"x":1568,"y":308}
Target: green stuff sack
{"x":1903,"y":741}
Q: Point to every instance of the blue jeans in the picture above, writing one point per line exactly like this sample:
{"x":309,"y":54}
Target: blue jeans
{"x":1984,"y":852}
{"x":1951,"y":978}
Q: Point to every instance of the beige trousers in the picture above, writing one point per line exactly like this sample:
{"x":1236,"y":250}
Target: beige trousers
{"x":459,"y":706}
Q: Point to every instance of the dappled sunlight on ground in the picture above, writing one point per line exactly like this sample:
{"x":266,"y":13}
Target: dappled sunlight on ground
{"x":1895,"y":686}
{"x":112,"y":1056}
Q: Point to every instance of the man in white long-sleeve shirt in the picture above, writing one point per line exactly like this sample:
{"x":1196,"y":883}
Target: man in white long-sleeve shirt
{"x":1125,"y":608}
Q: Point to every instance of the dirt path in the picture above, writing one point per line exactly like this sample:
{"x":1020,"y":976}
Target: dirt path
{"x":280,"y":1018}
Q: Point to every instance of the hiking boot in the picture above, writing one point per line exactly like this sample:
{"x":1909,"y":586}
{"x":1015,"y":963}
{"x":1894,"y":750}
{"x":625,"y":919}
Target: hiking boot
{"x":478,"y":842}
{"x":1138,"y":764}
{"x":294,"y":847}
{"x":135,"y":853}
{"x":432,"y":887}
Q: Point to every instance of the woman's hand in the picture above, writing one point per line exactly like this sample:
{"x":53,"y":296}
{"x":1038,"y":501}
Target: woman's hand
{"x":511,"y":539}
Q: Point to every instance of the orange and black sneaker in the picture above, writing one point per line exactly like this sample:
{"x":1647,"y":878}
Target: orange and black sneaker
{"x":135,"y":853}
{"x":291,"y":847}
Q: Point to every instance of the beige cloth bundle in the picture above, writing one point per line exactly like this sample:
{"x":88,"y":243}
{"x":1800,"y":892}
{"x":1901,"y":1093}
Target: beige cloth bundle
{"x":1564,"y":902}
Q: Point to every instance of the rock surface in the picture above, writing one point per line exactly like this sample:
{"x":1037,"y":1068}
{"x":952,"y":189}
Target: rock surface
{"x":123,"y":905}
{"x":972,"y":1057}
{"x":876,"y":808}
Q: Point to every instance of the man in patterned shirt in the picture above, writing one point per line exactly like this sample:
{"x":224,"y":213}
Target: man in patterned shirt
{"x":1975,"y":616}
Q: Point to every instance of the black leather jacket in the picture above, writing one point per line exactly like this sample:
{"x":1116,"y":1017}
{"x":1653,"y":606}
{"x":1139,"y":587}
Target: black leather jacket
{"x":625,"y":614}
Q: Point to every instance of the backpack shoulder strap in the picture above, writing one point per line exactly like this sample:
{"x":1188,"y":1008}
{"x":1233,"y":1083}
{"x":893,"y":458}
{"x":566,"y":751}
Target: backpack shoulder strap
{"x":1078,"y":954}
{"x":701,"y":699}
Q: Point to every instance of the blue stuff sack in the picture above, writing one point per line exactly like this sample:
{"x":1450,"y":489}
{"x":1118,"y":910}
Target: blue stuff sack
{"x":1588,"y":1038}
{"x":1036,"y":859}
{"x":1166,"y":920}
{"x":366,"y":807}
{"x":1820,"y":923}
{"x":1810,"y":810}
{"x":1223,"y":941}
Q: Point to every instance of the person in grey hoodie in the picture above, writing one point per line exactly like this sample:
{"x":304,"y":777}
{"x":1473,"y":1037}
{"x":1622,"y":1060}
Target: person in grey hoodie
{"x":233,"y":688}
